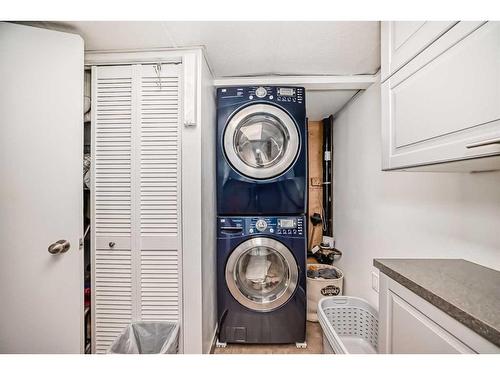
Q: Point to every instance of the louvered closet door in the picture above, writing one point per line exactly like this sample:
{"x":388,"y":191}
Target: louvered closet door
{"x":159,"y":192}
{"x":112,"y":178}
{"x":136,"y":197}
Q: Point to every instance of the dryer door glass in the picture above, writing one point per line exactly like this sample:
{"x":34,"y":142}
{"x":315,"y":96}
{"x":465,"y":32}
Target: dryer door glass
{"x":261,"y":274}
{"x":261,"y":141}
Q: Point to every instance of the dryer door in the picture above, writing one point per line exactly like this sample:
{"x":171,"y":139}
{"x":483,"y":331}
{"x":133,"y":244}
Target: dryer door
{"x":261,"y":141}
{"x":262,"y":274}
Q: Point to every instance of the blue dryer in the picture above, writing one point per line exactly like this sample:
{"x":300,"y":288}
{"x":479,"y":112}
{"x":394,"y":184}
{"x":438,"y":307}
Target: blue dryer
{"x":261,"y":151}
{"x":261,"y":268}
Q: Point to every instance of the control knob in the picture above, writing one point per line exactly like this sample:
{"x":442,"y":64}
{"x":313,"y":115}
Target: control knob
{"x":261,"y":92}
{"x":261,"y":225}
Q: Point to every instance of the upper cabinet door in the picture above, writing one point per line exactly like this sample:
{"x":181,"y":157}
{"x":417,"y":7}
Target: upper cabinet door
{"x":41,"y":148}
{"x":403,"y":40}
{"x":443,"y":106}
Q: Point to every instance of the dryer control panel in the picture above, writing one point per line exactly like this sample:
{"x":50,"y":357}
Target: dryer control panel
{"x":279,"y":94}
{"x":282,"y":226}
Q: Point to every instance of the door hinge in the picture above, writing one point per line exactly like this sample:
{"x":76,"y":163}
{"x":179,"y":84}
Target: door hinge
{"x":80,"y":244}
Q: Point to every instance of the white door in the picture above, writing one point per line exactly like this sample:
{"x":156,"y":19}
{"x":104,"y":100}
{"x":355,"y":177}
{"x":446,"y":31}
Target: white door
{"x":41,"y":148}
{"x":136,"y":192}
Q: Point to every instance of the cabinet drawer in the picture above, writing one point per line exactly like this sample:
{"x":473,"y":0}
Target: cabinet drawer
{"x":444,"y":105}
{"x":401,"y":41}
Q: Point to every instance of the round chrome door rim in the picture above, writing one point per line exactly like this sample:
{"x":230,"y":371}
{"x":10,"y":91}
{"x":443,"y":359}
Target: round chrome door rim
{"x":280,"y":249}
{"x":290,"y":153}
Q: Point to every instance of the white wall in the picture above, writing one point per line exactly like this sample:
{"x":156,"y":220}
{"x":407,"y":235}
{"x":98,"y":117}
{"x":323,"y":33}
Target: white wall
{"x":404,"y":214}
{"x":208,"y":210}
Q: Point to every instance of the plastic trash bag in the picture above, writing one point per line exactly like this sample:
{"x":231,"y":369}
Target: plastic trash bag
{"x":147,"y":338}
{"x":324,"y":273}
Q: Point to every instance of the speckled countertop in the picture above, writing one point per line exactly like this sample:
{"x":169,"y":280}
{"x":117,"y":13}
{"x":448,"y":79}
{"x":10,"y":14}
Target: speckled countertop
{"x":466,"y":291}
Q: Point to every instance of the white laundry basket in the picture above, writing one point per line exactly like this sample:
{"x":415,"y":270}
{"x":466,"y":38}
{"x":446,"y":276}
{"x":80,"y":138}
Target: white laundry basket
{"x":350,"y":325}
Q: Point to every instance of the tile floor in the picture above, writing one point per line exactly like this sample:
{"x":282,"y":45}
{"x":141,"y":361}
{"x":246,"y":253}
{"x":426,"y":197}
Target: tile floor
{"x":314,"y":339}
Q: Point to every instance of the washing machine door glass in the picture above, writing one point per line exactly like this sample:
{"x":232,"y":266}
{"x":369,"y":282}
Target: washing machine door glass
{"x":261,"y":274}
{"x":261,"y":141}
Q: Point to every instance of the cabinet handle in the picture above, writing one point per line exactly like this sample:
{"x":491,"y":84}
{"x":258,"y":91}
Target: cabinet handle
{"x":484,"y":143}
{"x":111,"y":244}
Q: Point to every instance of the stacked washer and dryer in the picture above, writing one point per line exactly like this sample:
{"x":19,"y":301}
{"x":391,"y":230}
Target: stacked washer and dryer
{"x":261,"y":206}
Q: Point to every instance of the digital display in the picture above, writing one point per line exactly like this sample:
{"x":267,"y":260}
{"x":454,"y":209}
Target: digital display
{"x":287,"y":223}
{"x":283,"y":91}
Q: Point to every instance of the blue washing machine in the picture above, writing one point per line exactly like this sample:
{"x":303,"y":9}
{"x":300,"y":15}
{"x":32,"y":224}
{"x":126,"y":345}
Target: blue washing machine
{"x":261,"y":151}
{"x":261,"y":268}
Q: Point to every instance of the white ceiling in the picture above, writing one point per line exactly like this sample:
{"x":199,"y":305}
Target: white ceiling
{"x":321,"y":104}
{"x":250,"y":48}
{"x":253,"y":48}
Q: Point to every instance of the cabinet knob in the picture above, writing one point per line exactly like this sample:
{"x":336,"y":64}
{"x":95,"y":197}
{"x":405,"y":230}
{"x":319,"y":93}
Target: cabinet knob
{"x":112,"y":244}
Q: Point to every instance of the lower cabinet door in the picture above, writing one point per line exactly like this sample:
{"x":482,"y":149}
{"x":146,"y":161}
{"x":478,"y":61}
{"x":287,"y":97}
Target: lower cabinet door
{"x":408,"y":324}
{"x":411,"y":332}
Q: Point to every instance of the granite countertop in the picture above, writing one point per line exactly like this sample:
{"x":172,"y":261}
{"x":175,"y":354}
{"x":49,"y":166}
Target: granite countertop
{"x":466,"y":291}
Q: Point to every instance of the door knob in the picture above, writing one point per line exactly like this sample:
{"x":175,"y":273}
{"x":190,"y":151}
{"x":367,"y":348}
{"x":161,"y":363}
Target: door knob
{"x":59,"y":247}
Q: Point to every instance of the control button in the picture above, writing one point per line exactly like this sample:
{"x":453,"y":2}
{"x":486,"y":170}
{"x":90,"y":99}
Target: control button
{"x":271,"y":97}
{"x":271,"y":230}
{"x":279,"y":231}
{"x":289,"y":231}
{"x":261,"y":225}
{"x":261,"y":92}
{"x":295,"y":231}
{"x":250,"y":231}
{"x":250,"y":97}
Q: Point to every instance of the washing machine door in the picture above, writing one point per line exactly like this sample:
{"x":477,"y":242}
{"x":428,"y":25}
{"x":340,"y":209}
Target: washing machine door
{"x":261,"y":141}
{"x":262,"y":274}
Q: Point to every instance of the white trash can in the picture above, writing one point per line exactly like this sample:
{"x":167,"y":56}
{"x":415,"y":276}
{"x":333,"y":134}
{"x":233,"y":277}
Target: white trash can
{"x":318,"y":287}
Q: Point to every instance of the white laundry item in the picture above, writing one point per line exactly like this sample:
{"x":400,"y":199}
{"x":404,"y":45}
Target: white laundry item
{"x":86,"y":170}
{"x":257,"y":269}
{"x":86,"y":104}
{"x":86,"y":117}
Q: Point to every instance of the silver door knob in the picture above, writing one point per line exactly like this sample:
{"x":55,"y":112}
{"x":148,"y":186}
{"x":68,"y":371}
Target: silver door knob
{"x":59,"y":247}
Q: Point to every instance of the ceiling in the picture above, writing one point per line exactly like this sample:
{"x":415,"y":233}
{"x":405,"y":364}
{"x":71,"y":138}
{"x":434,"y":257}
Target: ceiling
{"x":321,"y":104}
{"x":249,"y":48}
{"x":252,"y":48}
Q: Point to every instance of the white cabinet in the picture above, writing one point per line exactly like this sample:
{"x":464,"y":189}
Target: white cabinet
{"x":401,"y":41}
{"x":136,"y":196}
{"x":444,"y":105}
{"x":410,"y":325}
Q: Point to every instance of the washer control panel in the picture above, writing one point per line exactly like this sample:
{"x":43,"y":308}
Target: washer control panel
{"x":283,"y":226}
{"x":277,"y":94}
